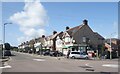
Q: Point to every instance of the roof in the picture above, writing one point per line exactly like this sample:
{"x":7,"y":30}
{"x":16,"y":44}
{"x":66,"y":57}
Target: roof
{"x":51,"y":37}
{"x":32,"y":41}
{"x":60,"y":35}
{"x":113,"y":39}
{"x":73,"y":30}
{"x":98,"y":36}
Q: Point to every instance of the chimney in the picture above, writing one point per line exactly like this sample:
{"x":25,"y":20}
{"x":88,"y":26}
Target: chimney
{"x":54,"y":32}
{"x":85,"y":22}
{"x":43,"y":36}
{"x":67,"y":27}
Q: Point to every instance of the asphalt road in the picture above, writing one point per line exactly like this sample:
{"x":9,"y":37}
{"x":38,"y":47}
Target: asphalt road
{"x":32,"y":63}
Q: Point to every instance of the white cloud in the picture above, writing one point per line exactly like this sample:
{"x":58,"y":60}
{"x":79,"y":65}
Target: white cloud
{"x":33,"y":16}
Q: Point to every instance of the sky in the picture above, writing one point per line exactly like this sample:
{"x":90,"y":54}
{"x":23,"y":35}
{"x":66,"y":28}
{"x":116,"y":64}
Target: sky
{"x":33,"y":19}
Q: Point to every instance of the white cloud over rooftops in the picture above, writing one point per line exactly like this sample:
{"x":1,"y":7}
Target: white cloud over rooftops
{"x":33,"y":16}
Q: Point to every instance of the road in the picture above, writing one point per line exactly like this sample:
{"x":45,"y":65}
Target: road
{"x":22,"y":62}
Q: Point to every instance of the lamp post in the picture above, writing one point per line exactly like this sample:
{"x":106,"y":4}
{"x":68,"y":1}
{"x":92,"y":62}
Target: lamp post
{"x":4,"y":37}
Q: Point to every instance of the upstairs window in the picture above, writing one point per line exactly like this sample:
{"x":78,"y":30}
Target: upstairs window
{"x":67,"y":39}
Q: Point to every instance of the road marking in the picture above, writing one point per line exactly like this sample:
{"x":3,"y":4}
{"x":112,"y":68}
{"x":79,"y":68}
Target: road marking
{"x":39,"y":59}
{"x":8,"y":66}
{"x":110,"y":65}
{"x":88,"y":65}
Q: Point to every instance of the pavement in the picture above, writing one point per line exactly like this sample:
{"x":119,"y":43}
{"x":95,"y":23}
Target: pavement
{"x":24,"y":62}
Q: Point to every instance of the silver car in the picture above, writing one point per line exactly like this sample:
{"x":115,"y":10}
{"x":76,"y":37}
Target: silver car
{"x":76,"y":54}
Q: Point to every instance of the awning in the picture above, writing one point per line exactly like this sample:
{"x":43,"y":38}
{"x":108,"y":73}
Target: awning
{"x":65,"y":47}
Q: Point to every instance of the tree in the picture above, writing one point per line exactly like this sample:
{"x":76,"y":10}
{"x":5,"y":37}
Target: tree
{"x":7,"y":51}
{"x":7,"y":46}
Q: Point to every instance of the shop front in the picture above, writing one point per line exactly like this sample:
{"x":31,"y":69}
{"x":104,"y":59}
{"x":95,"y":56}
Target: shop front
{"x":75,"y":47}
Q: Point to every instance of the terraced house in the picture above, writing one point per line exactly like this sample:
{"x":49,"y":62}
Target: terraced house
{"x":80,"y":38}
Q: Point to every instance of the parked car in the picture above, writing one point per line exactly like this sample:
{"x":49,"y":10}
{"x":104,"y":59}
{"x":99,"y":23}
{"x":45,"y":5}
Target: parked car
{"x":20,"y":50}
{"x":30,"y":51}
{"x":53,"y":53}
{"x":75,"y":54}
{"x":60,"y":54}
{"x":46,"y":53}
{"x":56,"y":53}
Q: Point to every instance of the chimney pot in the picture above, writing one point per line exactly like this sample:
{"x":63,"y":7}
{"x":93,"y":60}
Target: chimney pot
{"x":67,"y":28}
{"x":85,"y":22}
{"x":43,"y":36}
{"x":54,"y":32}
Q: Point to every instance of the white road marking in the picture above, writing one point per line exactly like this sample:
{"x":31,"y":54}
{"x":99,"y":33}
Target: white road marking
{"x":88,"y":65}
{"x":8,"y":66}
{"x":110,"y":65}
{"x":39,"y":59}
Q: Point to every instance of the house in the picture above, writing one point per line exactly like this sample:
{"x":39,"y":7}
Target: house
{"x":24,"y":46}
{"x":115,"y":45}
{"x":40,"y":43}
{"x":50,"y":42}
{"x":37,"y":45}
{"x":31,"y":44}
{"x":59,"y":42}
{"x":81,"y":38}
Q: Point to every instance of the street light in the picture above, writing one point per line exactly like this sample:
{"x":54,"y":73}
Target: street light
{"x":4,"y":37}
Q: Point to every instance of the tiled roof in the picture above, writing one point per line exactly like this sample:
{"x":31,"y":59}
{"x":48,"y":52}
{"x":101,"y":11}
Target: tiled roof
{"x":54,"y":36}
{"x":60,"y":35}
{"x":32,"y":41}
{"x":98,"y":35}
{"x":73,"y":30}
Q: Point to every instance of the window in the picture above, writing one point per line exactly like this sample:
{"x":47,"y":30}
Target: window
{"x":75,"y":52}
{"x":84,"y":39}
{"x":67,"y":39}
{"x":59,"y":42}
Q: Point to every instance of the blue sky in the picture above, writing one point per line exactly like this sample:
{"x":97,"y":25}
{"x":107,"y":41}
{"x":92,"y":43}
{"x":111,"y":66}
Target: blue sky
{"x":102,"y":17}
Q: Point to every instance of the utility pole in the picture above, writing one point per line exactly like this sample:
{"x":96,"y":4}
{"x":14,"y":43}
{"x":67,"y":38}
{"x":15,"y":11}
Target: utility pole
{"x":111,"y":45}
{"x":110,"y":49}
{"x":4,"y":38}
